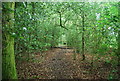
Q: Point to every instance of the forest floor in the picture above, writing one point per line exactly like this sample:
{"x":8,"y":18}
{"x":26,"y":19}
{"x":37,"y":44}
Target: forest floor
{"x":58,"y":63}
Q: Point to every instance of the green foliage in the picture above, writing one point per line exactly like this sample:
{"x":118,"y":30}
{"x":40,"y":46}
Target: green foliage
{"x":36,"y":30}
{"x":38,"y":27}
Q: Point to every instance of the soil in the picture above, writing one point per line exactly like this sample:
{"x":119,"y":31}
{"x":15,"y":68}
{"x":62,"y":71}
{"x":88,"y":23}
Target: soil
{"x":59,"y":63}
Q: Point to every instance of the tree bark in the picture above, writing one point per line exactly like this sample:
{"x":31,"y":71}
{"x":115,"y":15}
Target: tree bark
{"x":118,"y":52}
{"x":8,"y":57}
{"x":83,"y":41}
{"x":119,"y":44}
{"x":61,"y":24}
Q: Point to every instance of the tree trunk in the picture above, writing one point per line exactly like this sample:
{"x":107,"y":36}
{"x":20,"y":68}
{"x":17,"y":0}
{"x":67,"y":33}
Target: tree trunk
{"x":118,"y":53}
{"x":83,"y":41}
{"x":119,"y":46}
{"x":8,"y":57}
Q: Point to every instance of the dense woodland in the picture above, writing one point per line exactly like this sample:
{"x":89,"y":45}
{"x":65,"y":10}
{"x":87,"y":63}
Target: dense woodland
{"x":32,"y":29}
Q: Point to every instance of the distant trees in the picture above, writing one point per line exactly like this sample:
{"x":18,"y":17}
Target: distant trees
{"x":98,"y":35}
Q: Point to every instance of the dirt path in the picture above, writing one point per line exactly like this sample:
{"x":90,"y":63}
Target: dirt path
{"x":59,"y":64}
{"x":55,"y":65}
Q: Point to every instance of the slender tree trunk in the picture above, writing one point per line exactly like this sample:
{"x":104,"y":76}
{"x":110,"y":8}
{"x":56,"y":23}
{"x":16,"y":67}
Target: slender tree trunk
{"x":118,"y":53}
{"x":0,"y":42}
{"x":83,"y":41}
{"x":8,"y":57}
{"x":119,"y":46}
{"x":29,"y":36}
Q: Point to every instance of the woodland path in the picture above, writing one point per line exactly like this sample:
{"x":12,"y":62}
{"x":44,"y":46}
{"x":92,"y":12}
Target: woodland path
{"x":59,"y":64}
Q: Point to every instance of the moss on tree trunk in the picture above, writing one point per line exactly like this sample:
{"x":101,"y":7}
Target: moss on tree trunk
{"x":8,"y":57}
